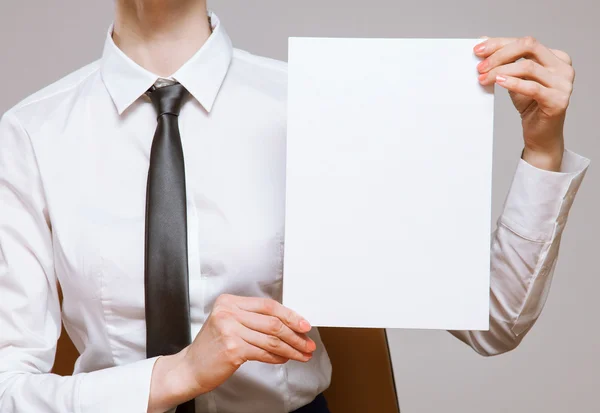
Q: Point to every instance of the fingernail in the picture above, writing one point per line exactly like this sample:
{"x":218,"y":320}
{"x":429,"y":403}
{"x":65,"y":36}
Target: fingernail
{"x":500,"y":79}
{"x":307,"y":356}
{"x":480,"y":48}
{"x":305,"y":325}
{"x":312,"y":346}
{"x":483,"y":77}
{"x":482,"y":65}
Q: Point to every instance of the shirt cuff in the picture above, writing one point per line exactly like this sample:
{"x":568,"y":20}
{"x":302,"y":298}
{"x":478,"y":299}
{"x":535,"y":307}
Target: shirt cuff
{"x":118,"y":389}
{"x":539,"y":200}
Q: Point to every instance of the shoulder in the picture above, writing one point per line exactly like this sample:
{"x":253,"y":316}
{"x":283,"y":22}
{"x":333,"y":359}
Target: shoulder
{"x":41,"y":104}
{"x":261,"y":64}
{"x":261,"y":73}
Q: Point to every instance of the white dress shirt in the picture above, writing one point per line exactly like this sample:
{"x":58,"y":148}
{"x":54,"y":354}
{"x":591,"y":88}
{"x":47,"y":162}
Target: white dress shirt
{"x":73,"y":168}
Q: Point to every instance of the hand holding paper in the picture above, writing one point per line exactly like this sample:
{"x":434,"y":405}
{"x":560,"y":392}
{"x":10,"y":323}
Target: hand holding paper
{"x":540,"y":81}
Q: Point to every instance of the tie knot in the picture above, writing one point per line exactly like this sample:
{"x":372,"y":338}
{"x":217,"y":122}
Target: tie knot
{"x":168,"y":99}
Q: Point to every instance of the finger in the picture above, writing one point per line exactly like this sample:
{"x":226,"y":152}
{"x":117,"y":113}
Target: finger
{"x":564,"y":56}
{"x":258,"y":354}
{"x":270,"y":307}
{"x":526,"y":47}
{"x":274,"y":326}
{"x":551,"y":101}
{"x":524,"y":69}
{"x":490,"y":45}
{"x":235,"y":346}
{"x":273,"y":345}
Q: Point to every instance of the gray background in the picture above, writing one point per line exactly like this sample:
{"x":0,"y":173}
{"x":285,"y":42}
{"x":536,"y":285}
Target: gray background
{"x":557,"y":368}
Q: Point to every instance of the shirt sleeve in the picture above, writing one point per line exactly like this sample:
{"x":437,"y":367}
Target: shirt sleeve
{"x":524,"y":251}
{"x":30,"y":315}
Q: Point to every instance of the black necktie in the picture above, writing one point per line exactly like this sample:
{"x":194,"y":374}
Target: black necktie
{"x":166,"y":259}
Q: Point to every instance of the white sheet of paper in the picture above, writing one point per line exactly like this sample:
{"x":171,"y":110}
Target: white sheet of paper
{"x":389,"y":177}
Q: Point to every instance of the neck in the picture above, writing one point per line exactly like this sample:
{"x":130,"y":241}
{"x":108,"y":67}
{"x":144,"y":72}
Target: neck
{"x":161,"y":35}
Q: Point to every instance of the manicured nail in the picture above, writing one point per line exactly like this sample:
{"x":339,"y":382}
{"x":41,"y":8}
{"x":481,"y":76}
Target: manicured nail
{"x":500,"y":79}
{"x":480,"y":48}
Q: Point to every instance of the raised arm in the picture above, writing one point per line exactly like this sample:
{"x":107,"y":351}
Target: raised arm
{"x":524,"y":252}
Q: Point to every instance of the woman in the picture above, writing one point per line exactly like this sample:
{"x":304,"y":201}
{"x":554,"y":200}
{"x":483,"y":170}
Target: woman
{"x":95,"y":196}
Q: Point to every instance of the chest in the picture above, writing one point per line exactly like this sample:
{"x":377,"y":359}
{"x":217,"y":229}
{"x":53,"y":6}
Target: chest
{"x":95,"y":179}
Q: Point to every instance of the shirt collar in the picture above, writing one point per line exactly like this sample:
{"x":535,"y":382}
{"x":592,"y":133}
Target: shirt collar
{"x":202,"y":75}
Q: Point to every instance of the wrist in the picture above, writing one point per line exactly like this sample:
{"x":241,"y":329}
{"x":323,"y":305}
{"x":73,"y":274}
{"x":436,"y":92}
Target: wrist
{"x":170,"y":383}
{"x":548,"y":159}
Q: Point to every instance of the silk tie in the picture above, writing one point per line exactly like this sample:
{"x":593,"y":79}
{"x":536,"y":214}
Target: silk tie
{"x":166,"y":257}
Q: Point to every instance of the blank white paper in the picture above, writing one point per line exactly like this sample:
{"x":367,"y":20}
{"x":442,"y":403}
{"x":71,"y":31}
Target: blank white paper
{"x":389,"y":178}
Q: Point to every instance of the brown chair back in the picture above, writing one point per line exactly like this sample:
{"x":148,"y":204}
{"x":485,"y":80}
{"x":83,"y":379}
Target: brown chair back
{"x":363,"y":379}
{"x":66,"y":355}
